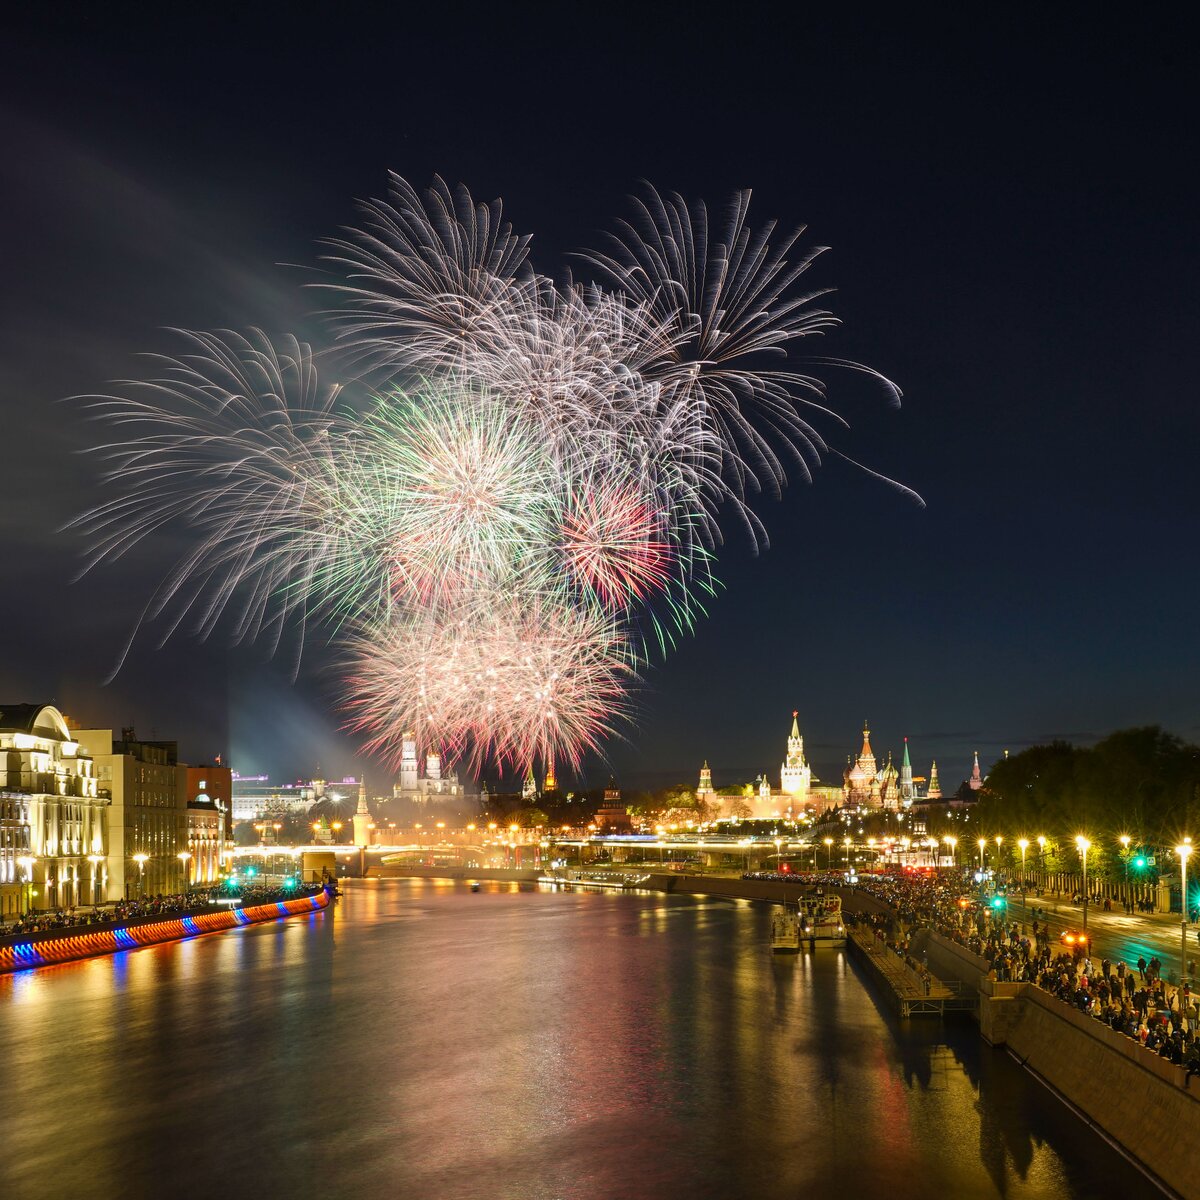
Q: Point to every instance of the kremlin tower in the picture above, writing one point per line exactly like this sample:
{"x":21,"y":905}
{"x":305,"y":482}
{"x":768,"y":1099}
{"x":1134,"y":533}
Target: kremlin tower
{"x":935,"y":789}
{"x":705,"y":790}
{"x":551,"y":782}
{"x":907,"y":792}
{"x":529,"y":788}
{"x":795,"y":775}
{"x":362,"y":816}
{"x":976,"y":780}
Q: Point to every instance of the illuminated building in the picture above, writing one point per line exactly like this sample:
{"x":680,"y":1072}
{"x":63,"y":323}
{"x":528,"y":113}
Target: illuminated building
{"x":976,"y":780}
{"x":612,"y":816}
{"x":795,"y":776}
{"x":705,"y":791}
{"x":862,"y":783}
{"x":934,"y":791}
{"x":206,"y":817}
{"x":148,"y":818}
{"x":908,"y":790}
{"x":551,"y":782}
{"x":433,"y":785}
{"x":362,"y":818}
{"x":54,"y":824}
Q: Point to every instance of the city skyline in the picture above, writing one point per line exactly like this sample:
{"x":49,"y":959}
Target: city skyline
{"x":1041,"y":591}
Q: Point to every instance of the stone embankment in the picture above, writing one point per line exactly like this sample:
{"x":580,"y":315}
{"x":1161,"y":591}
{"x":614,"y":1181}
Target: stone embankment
{"x":1142,"y":1102}
{"x":90,"y":941}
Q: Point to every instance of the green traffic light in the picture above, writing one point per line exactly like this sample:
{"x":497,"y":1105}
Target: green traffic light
{"x":1139,"y":863}
{"x":998,"y":902}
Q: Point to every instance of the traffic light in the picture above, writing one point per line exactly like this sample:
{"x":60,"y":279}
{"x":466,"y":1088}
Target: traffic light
{"x":998,"y":902}
{"x":1139,"y":863}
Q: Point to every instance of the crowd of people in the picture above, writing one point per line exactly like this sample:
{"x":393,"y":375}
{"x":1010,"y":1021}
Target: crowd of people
{"x":1132,"y":999}
{"x":149,"y":906}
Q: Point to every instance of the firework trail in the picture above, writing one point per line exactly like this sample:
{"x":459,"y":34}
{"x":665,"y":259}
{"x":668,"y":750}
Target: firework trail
{"x":518,"y":497}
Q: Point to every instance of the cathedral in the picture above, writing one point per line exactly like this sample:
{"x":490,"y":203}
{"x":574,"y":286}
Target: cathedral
{"x":865,"y":784}
{"x":432,"y":785}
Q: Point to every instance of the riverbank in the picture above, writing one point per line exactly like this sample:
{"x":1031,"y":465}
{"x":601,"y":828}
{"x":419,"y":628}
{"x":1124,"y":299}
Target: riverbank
{"x":70,"y":944}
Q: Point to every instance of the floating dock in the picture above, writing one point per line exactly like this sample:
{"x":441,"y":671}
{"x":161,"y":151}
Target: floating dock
{"x":912,"y":994}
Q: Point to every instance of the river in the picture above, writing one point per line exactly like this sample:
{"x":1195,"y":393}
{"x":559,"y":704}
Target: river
{"x":427,"y":1041}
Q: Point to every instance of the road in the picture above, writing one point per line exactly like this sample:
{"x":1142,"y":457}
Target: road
{"x":1116,"y":935}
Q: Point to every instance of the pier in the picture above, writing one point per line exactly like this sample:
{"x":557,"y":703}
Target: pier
{"x":913,"y":994}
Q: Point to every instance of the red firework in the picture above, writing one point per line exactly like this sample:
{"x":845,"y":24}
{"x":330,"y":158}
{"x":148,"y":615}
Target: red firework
{"x":611,"y":540}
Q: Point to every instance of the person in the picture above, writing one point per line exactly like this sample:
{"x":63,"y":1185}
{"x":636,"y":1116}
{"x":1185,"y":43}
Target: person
{"x":1141,"y":965}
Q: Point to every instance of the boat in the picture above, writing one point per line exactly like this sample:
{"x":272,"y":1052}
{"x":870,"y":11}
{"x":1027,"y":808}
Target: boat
{"x":785,"y":931}
{"x":820,"y":919}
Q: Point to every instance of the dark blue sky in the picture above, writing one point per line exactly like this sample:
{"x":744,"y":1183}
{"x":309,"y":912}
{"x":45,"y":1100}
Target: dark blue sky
{"x":1011,"y":207}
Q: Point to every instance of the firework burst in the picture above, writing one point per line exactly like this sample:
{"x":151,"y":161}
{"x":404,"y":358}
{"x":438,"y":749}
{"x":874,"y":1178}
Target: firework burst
{"x":523,"y":491}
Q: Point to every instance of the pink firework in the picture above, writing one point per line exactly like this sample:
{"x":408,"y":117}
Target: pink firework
{"x":611,"y":541}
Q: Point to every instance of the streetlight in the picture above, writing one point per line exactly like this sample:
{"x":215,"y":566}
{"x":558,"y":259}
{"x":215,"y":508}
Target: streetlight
{"x":1024,"y":844}
{"x":140,"y":859}
{"x":778,"y":848}
{"x":1124,"y":839}
{"x":1084,"y":846}
{"x":845,"y":852}
{"x":1184,"y":851}
{"x":952,"y":842}
{"x":183,"y":857}
{"x":25,"y":862}
{"x":828,"y":853}
{"x":981,"y":844}
{"x":95,"y":860}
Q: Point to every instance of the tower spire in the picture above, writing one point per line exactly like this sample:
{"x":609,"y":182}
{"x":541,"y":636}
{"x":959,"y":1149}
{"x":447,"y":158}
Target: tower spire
{"x":976,"y":780}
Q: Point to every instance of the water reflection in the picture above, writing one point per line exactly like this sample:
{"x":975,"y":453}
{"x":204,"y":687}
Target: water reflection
{"x":426,"y":1041}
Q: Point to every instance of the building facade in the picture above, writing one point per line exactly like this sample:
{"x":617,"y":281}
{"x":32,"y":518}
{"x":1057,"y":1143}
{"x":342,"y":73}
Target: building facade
{"x":148,"y":821}
{"x":54,"y":823}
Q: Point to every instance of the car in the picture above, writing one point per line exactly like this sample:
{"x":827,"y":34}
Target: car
{"x":1075,"y":938}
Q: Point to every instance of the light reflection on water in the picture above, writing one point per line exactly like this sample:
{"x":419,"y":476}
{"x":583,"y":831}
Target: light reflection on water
{"x":426,"y":1041}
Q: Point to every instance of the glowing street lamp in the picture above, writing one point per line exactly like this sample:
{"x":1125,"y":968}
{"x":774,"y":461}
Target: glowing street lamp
{"x":1184,"y":850}
{"x":25,"y":862}
{"x":828,"y":853}
{"x":1125,"y":839}
{"x":952,"y":842}
{"x":1024,"y":845}
{"x":140,"y":859}
{"x":982,"y":843}
{"x":183,"y":857}
{"x":1084,"y":846}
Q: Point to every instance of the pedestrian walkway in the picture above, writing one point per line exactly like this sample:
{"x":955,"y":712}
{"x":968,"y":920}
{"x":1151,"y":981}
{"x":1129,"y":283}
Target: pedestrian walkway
{"x":916,"y":993}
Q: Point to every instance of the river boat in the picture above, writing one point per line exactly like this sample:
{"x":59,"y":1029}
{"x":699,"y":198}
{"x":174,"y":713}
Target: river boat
{"x":820,"y":920}
{"x":785,"y":931}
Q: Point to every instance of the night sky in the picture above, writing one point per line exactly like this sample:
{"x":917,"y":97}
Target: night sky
{"x":1011,"y":210}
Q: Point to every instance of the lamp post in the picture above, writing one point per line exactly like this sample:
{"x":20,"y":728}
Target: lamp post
{"x":140,"y":859}
{"x":778,"y":850}
{"x":183,"y":857}
{"x":845,"y":852}
{"x":1184,"y":851}
{"x":1041,"y":841}
{"x":1084,"y":846}
{"x":828,"y":853}
{"x":952,"y":842}
{"x":95,"y":860}
{"x":25,"y":862}
{"x":981,"y":844}
{"x":1024,"y":845}
{"x":1124,"y":839}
